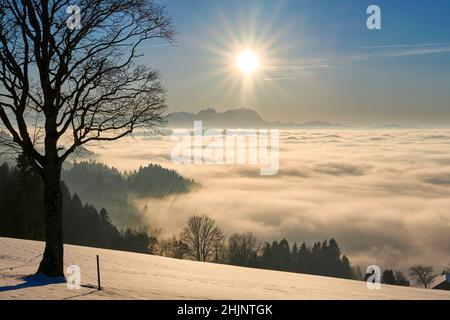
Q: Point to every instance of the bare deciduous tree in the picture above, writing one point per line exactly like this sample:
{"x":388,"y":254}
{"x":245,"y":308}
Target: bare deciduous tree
{"x":61,"y":87}
{"x":202,"y":236}
{"x":242,"y":248}
{"x":423,"y":275}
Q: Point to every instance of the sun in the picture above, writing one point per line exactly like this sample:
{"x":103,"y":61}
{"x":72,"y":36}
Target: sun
{"x":247,"y":61}
{"x":247,"y":56}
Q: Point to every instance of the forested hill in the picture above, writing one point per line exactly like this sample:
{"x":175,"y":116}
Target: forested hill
{"x":104,"y":186}
{"x":22,"y":214}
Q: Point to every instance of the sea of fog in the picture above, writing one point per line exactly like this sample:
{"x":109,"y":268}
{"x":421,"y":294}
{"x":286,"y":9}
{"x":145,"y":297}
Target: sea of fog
{"x":383,"y":194}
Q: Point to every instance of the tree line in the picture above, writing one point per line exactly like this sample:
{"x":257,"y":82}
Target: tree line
{"x":203,"y":240}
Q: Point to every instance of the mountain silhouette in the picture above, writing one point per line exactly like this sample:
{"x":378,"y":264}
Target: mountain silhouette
{"x":235,"y":118}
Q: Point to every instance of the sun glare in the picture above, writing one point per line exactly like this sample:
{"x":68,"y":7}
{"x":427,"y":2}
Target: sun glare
{"x":247,"y":61}
{"x":245,"y":54}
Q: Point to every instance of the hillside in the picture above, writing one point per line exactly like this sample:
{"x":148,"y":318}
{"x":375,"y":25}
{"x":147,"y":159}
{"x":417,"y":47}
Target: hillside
{"x":139,"y":276}
{"x":106,"y":187}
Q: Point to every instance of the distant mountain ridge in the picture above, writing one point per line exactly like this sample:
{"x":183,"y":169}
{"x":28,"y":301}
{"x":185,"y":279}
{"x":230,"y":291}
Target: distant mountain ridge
{"x":236,"y":118}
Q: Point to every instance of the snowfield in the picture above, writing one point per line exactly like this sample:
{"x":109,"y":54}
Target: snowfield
{"x":138,"y":276}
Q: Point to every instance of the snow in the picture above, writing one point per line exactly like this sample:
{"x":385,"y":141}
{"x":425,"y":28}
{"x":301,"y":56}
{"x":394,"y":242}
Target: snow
{"x":128,"y":275}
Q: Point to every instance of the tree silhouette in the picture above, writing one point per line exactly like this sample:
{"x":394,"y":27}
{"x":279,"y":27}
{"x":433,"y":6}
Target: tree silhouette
{"x":323,"y":258}
{"x":243,"y":249}
{"x":22,"y":214}
{"x":64,"y":87}
{"x":201,"y":235}
{"x":424,"y":275}
{"x":401,"y":279}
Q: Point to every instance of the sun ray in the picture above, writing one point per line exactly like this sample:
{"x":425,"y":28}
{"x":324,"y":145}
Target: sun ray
{"x":234,"y":35}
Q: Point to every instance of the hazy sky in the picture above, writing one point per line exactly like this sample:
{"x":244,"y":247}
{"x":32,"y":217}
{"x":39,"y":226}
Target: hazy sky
{"x":318,"y":60}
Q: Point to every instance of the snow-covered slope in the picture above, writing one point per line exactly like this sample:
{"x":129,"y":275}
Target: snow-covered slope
{"x":138,"y":276}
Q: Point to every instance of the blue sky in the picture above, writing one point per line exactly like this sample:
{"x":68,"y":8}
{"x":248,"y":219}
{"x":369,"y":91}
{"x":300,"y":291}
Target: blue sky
{"x":318,"y":59}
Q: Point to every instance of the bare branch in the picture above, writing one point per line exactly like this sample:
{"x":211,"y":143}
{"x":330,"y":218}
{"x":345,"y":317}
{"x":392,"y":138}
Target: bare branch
{"x":86,"y":85}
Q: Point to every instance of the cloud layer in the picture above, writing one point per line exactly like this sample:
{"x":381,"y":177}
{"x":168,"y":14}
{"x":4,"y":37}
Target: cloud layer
{"x":383,"y":194}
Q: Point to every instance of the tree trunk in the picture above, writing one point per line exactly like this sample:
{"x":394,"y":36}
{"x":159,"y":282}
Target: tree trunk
{"x":52,"y":262}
